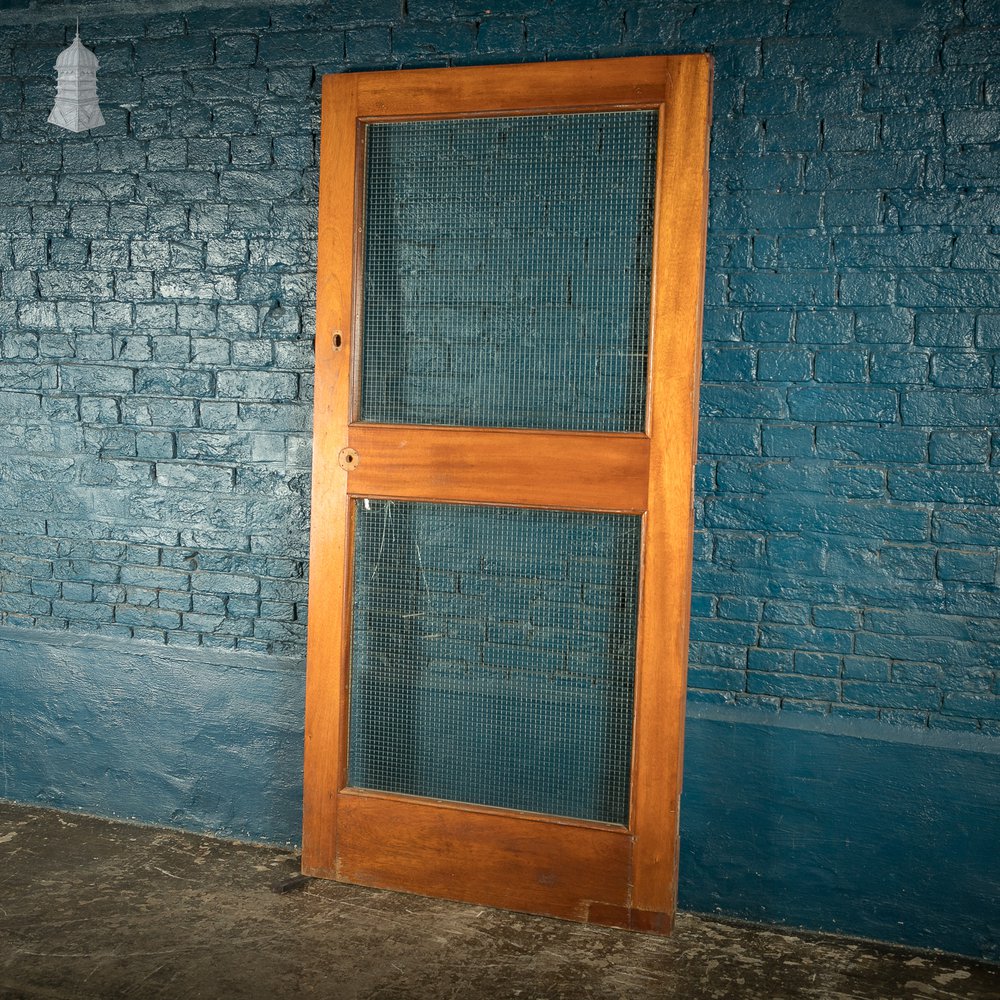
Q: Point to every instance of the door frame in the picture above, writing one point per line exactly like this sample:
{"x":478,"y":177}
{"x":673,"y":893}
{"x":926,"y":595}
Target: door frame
{"x":604,"y":873}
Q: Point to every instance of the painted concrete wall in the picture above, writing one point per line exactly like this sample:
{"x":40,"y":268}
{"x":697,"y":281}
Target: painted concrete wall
{"x":155,"y":326}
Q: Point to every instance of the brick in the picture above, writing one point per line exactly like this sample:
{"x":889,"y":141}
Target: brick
{"x":894,"y":367}
{"x":743,"y":476}
{"x":173,"y":382}
{"x":787,"y":612}
{"x":770,"y":660}
{"x":850,"y":133}
{"x":144,"y":617}
{"x":818,"y":664}
{"x":199,"y":287}
{"x":979,"y":706}
{"x":300,"y":48}
{"x":714,"y":630}
{"x":793,"y":686}
{"x":765,"y":326}
{"x":97,"y":379}
{"x":890,"y":695}
{"x":807,"y":638}
{"x":714,"y":677}
{"x":793,"y":288}
{"x":945,"y":329}
{"x":921,"y":130}
{"x":722,"y":437}
{"x":742,"y":401}
{"x":250,"y":385}
{"x":949,"y":288}
{"x":959,"y":447}
{"x":988,"y":330}
{"x":950,"y":408}
{"x":239,"y":185}
{"x":866,"y":668}
{"x":159,"y":412}
{"x":837,"y":618}
{"x":941,"y":486}
{"x":948,"y":652}
{"x":894,"y":250}
{"x":207,"y":445}
{"x":971,"y":47}
{"x":868,"y":288}
{"x":863,"y":171}
{"x":843,"y":404}
{"x":973,"y":526}
{"x":850,"y":517}
{"x":844,"y":366}
{"x":961,"y":370}
{"x":728,"y":365}
{"x":792,"y":364}
{"x":183,"y":475}
{"x":224,"y":583}
{"x":788,"y":442}
{"x":86,"y":285}
{"x":968,"y":566}
{"x":766,"y":211}
{"x":823,"y":327}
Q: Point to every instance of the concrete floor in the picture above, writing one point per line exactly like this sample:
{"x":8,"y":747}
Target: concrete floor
{"x":90,"y":908}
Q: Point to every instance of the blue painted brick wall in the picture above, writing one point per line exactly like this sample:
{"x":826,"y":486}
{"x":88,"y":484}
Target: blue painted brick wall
{"x":157,"y":312}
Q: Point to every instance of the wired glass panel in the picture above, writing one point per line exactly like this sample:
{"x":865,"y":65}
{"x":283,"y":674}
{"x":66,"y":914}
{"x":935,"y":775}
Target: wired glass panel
{"x":493,"y":655}
{"x":507,"y":266}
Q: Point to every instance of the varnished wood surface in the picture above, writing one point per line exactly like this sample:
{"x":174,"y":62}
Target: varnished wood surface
{"x":509,"y":860}
{"x":626,"y":878}
{"x":531,"y":87}
{"x":329,"y":581}
{"x":665,"y":598}
{"x":569,"y":470}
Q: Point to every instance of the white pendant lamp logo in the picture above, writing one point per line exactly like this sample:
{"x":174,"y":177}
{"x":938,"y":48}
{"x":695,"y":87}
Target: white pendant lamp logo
{"x":76,"y":106}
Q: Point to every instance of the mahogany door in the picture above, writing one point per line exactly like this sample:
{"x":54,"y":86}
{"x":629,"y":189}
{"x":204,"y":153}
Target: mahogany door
{"x":511,"y":268}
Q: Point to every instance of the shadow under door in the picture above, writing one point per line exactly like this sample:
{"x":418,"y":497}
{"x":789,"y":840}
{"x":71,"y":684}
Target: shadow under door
{"x":511,"y":265}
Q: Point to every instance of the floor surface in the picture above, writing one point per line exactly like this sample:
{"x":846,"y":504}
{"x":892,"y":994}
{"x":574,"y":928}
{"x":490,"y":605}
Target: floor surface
{"x":90,"y":908}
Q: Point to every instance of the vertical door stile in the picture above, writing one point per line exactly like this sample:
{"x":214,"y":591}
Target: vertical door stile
{"x":678,"y":286}
{"x":329,"y":580}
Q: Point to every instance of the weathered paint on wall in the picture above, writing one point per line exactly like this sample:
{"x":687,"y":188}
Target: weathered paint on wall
{"x":155,"y":327}
{"x":840,"y":825}
{"x":205,"y":741}
{"x":844,"y":826}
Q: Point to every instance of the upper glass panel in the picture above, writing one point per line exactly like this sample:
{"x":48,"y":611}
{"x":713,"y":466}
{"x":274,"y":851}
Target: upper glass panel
{"x":507,"y":266}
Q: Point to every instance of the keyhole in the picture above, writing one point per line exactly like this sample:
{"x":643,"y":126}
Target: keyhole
{"x":337,"y":341}
{"x":348,"y":459}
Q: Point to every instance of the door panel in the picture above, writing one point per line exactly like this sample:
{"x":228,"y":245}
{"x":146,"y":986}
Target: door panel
{"x":508,"y":324}
{"x":507,"y":263}
{"x":493,"y":655}
{"x":474,"y":465}
{"x":495,"y":858}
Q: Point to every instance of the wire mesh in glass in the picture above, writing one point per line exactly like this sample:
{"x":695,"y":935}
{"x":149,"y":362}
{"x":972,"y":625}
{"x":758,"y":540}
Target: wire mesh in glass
{"x":493,"y":656}
{"x":507,"y":266}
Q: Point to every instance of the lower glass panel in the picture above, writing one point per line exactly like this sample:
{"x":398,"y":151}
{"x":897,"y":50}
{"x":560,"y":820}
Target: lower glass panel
{"x":493,"y":655}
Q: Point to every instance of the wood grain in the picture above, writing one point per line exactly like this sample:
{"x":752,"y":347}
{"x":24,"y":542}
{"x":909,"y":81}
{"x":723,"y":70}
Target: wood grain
{"x":535,"y":87}
{"x":327,"y":645}
{"x":543,"y":864}
{"x":516,"y":861}
{"x":572,"y":471}
{"x":665,"y":601}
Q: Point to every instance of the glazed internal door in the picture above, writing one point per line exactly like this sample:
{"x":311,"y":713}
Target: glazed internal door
{"x":511,"y":265}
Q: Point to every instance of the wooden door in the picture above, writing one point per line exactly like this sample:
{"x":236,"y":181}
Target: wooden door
{"x":511,"y":270}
